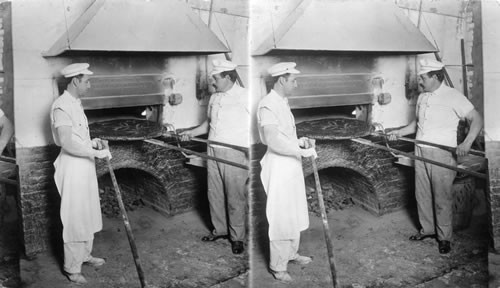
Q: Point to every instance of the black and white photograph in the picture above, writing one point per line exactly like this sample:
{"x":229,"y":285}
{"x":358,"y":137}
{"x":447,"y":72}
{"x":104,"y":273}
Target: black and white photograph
{"x":249,"y":143}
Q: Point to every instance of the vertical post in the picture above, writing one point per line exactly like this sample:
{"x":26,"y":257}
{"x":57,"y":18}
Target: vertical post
{"x":464,"y":68}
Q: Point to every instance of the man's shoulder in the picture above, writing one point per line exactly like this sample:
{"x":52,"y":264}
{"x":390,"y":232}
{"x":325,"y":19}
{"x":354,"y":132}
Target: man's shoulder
{"x":63,"y":101}
{"x":269,"y":99}
{"x":240,"y":90}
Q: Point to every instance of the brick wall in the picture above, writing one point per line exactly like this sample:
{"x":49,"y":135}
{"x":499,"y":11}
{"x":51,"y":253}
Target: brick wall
{"x":493,"y":155}
{"x":39,"y":200}
{"x":385,"y":185}
{"x":182,"y":187}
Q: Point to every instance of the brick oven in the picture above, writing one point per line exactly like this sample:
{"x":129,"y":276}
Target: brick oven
{"x":151,"y":175}
{"x":349,"y":73}
{"x":348,"y":171}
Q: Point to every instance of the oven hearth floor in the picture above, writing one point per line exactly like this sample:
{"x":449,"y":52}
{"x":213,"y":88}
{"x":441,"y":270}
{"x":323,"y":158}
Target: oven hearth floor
{"x":170,"y":252}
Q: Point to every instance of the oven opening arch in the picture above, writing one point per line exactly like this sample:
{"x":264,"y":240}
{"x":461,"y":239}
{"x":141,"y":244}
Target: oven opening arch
{"x":140,"y":186}
{"x":367,"y":176}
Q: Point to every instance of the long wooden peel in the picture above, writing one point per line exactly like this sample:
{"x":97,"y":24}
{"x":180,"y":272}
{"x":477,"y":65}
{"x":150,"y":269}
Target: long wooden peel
{"x":415,"y":157}
{"x":212,"y":142}
{"x":444,"y":147}
{"x":326,"y":228}
{"x":130,"y":236}
{"x":166,"y":145}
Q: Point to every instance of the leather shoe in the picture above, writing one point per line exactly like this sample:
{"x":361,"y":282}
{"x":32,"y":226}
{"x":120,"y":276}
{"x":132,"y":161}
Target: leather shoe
{"x":211,"y":237}
{"x":420,"y":237}
{"x":237,"y":247}
{"x":76,"y":278}
{"x":302,"y":260}
{"x":282,"y":276}
{"x":95,"y":262}
{"x":444,"y":247}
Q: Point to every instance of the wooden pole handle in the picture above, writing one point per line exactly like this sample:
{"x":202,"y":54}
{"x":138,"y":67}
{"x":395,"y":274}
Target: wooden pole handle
{"x":130,"y":236}
{"x":326,"y":228}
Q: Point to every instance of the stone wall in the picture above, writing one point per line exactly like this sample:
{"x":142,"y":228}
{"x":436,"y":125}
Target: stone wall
{"x":493,"y":155}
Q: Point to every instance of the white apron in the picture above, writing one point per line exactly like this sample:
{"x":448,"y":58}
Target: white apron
{"x":286,"y":207}
{"x":76,"y":179}
{"x":76,"y":182}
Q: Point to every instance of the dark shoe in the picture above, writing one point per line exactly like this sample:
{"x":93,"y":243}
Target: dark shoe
{"x":282,"y":276}
{"x":210,"y":238}
{"x":420,"y":237}
{"x":237,"y":247}
{"x":444,"y":247}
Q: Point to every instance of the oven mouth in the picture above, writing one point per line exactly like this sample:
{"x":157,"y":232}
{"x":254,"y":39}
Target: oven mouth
{"x":138,"y":188}
{"x":342,"y":188}
{"x":336,"y":128}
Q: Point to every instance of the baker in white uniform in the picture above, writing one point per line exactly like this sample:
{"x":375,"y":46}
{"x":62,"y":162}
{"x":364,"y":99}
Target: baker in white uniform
{"x":439,"y":110}
{"x":228,"y":122}
{"x":282,"y":175}
{"x":75,"y":174}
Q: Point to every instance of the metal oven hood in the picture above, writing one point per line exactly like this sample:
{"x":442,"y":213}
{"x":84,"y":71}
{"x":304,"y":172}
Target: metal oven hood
{"x":116,"y":91}
{"x":138,"y":26}
{"x":340,"y":25}
{"x":322,"y":90}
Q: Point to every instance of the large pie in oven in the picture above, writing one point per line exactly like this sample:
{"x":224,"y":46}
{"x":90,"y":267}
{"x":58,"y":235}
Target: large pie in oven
{"x":333,"y":129}
{"x":125,"y":129}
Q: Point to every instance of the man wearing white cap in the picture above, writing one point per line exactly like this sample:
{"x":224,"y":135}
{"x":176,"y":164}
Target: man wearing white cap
{"x":438,"y":112}
{"x":227,"y":121}
{"x":282,"y":176}
{"x":75,"y":174}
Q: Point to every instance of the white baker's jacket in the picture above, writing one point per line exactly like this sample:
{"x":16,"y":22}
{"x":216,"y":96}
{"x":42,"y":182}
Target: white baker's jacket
{"x":75,"y":177}
{"x":438,"y":114}
{"x":229,"y":115}
{"x":282,"y":176}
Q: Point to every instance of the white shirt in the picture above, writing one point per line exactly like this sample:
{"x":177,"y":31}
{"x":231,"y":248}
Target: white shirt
{"x":229,"y":117}
{"x":274,"y":110}
{"x":67,"y":111}
{"x":438,"y":114}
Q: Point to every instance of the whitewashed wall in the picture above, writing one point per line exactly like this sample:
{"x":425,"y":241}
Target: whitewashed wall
{"x":491,"y":65}
{"x":35,"y":27}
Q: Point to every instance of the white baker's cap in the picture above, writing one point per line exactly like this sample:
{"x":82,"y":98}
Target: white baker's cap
{"x":428,"y":65}
{"x":76,"y":69}
{"x":283,"y":68}
{"x":222,"y":66}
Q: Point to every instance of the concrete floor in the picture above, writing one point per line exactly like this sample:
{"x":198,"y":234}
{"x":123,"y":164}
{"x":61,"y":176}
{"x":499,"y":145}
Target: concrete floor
{"x":170,"y":252}
{"x":374,"y":252}
{"x":369,"y":252}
